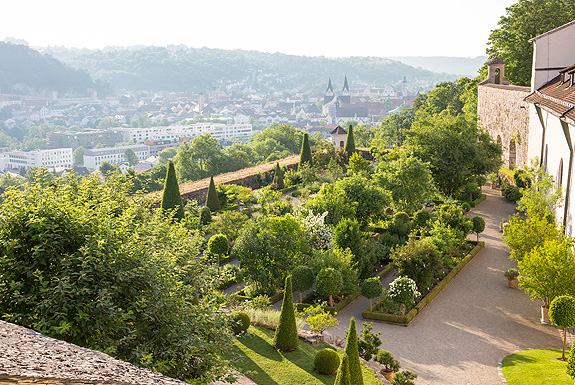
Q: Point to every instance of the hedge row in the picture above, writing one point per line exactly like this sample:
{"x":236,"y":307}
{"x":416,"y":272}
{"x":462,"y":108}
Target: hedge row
{"x":478,"y":200}
{"x":406,"y":319}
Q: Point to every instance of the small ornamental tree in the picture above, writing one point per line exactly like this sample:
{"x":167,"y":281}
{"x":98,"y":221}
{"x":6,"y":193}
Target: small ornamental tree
{"x":369,"y":342}
{"x":305,"y":155}
{"x":329,"y":282}
{"x":349,"y":141}
{"x":219,"y":245}
{"x":320,"y":320}
{"x":355,"y":375}
{"x":342,"y":377}
{"x":279,"y":177}
{"x":562,"y":313}
{"x":212,"y":200}
{"x":171,"y":198}
{"x":403,"y":291}
{"x":371,"y":288}
{"x":302,"y":279}
{"x":404,"y":378}
{"x":478,"y":225}
{"x":286,"y":338}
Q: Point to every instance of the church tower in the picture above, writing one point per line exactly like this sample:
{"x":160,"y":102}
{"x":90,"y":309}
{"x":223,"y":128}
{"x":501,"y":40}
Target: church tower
{"x":329,"y":94}
{"x":345,"y":94}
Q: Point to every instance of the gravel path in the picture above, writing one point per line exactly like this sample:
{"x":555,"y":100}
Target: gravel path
{"x":463,"y":334}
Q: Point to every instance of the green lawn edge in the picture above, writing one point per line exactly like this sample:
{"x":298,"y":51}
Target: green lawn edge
{"x":536,"y":367}
{"x":266,"y":366}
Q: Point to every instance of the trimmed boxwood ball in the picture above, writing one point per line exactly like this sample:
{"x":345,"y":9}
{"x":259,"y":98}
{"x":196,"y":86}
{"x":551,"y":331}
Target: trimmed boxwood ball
{"x":465,"y":206}
{"x":326,"y":361}
{"x":240,"y":323}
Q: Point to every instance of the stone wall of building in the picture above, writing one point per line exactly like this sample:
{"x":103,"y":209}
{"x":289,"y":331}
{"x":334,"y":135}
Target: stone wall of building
{"x":501,"y":110}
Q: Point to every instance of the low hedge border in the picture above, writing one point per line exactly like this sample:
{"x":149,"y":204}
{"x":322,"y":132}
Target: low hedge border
{"x":406,"y":319}
{"x":273,"y":299}
{"x":289,"y":189}
{"x":332,"y":309}
{"x":478,"y":200}
{"x":386,"y":270}
{"x":227,"y":208}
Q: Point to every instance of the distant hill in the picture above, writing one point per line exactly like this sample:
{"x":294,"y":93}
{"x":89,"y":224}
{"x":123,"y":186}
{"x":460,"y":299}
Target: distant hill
{"x":26,"y":71}
{"x":179,"y":68}
{"x":442,"y":64}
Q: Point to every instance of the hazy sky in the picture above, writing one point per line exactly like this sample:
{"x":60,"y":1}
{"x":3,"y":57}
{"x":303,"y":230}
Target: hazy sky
{"x":313,"y":27}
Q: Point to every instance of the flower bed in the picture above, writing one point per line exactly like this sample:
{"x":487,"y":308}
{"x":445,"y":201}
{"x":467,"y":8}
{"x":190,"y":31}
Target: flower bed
{"x":309,"y":300}
{"x":406,"y":319}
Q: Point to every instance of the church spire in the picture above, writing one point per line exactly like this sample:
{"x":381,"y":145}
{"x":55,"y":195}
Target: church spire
{"x":329,"y":94}
{"x":345,"y":90}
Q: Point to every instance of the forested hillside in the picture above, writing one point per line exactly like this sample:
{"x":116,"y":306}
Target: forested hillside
{"x":181,"y":68}
{"x":26,"y":71}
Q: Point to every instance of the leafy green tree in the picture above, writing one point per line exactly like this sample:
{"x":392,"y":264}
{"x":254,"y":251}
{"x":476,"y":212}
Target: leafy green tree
{"x":454,"y":148}
{"x":409,"y":180}
{"x":547,"y":270}
{"x":340,"y":260}
{"x":78,"y":155}
{"x":218,"y":245}
{"x":369,"y":200}
{"x":349,"y":141}
{"x":371,"y":288}
{"x":368,"y":343}
{"x":521,"y":22}
{"x":131,"y":157}
{"x":404,"y":378}
{"x":562,"y":313}
{"x":171,"y":198}
{"x":212,"y":200}
{"x":355,"y":374}
{"x":347,"y":235}
{"x":107,"y":168}
{"x":186,"y":167}
{"x":303,"y":279}
{"x":286,"y":338}
{"x":110,"y":273}
{"x":331,"y":199}
{"x":329,"y":283}
{"x":269,"y":248}
{"x":358,"y":165}
{"x":478,"y":225}
{"x":166,"y":155}
{"x":419,"y":260}
{"x":342,"y":377}
{"x":318,"y":319}
{"x":229,"y":223}
{"x":305,"y":154}
{"x":206,"y":149}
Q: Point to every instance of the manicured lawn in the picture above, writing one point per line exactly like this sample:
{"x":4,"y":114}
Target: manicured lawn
{"x":536,"y":367}
{"x":270,"y":367}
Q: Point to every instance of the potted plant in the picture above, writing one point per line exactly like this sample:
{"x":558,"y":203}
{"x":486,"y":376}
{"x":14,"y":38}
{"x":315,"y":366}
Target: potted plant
{"x":511,"y":276}
{"x":390,"y":365}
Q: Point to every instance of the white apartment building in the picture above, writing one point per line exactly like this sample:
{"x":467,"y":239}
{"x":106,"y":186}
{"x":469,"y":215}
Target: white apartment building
{"x":55,"y":159}
{"x":176,"y":132}
{"x":94,"y":157}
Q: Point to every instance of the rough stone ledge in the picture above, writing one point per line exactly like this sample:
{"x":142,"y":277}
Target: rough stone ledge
{"x":28,"y":357}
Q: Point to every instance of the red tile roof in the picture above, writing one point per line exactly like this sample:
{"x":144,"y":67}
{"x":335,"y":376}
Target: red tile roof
{"x":556,"y":95}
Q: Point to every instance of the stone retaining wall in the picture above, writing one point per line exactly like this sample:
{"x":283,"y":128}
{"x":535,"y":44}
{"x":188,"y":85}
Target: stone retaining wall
{"x":504,"y":114}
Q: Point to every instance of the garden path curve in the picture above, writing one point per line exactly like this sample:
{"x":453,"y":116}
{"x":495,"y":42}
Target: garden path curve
{"x":463,"y":334}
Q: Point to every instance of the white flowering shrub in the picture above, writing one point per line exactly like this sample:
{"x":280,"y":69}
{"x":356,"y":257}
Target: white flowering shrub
{"x":319,"y":234}
{"x":403,"y":290}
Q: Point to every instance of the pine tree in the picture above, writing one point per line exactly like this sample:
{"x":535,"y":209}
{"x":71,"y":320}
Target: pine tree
{"x":355,"y":375}
{"x":279,"y":177}
{"x":212,"y":201}
{"x":350,"y":142}
{"x":343,"y":372}
{"x":305,"y":155}
{"x":286,"y":338}
{"x":171,"y":198}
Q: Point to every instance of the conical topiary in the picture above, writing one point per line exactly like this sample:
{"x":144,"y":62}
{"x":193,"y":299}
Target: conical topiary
{"x":349,"y":141}
{"x":305,"y":155}
{"x":355,"y":375}
{"x":286,"y":338}
{"x":171,"y":198}
{"x":212,"y":201}
{"x":279,"y":177}
{"x":343,"y":372}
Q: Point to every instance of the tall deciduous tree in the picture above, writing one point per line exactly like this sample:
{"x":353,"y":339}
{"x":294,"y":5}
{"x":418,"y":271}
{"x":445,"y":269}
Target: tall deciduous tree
{"x":79,"y":155}
{"x":131,"y":157}
{"x":523,"y":21}
{"x":171,"y":198}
